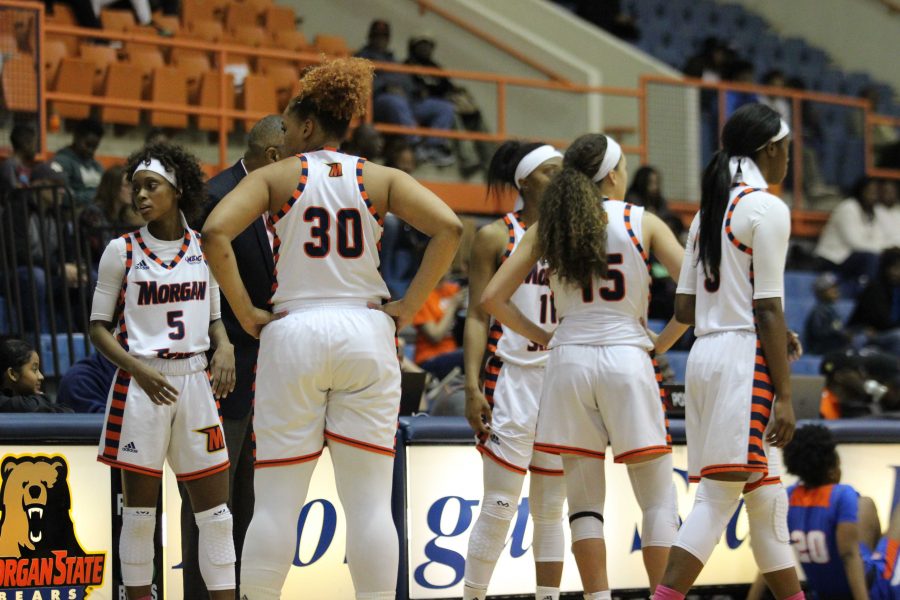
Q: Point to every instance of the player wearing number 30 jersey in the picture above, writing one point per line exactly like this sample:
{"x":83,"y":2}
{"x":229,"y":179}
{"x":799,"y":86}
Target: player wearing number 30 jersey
{"x":600,"y":386}
{"x":328,"y":369}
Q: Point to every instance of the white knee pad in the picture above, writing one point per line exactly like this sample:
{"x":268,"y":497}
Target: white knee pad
{"x":136,"y":545}
{"x":586,"y":490}
{"x":655,"y":494}
{"x":714,"y":505}
{"x":215,"y":548}
{"x":489,"y":535}
{"x":545,"y":500}
{"x":770,"y":540}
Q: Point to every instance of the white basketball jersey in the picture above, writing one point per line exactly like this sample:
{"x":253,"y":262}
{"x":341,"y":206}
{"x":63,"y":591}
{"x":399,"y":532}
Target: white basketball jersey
{"x":534,"y":298}
{"x":726,"y":304}
{"x":327,"y":235}
{"x":609,"y":313}
{"x":164,"y":306}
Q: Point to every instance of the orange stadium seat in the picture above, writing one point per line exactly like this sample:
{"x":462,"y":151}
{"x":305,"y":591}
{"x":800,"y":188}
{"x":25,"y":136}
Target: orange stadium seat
{"x":193,"y":11}
{"x":70,"y":41}
{"x":75,"y":76}
{"x":178,"y":54}
{"x":123,"y":82}
{"x":286,"y":80}
{"x":101,"y":57}
{"x":168,"y":22}
{"x":291,"y":39}
{"x":144,"y":62}
{"x":259,"y":96}
{"x":279,"y":18}
{"x":247,"y":36}
{"x":147,"y":30}
{"x":209,"y":97}
{"x":241,"y":15}
{"x":20,"y":83}
{"x":169,"y":85}
{"x":54,"y":51}
{"x":62,"y":15}
{"x":193,"y":66}
{"x":210,"y":31}
{"x":332,"y":45}
{"x":117,"y":20}
{"x":261,"y":5}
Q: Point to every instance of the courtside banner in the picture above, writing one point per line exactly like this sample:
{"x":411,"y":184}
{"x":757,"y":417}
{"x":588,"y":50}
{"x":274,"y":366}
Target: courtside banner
{"x":55,"y":526}
{"x":444,"y":490}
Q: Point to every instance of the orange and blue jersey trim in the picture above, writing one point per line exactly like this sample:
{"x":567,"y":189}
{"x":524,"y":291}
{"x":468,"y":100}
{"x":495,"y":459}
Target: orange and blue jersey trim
{"x":365,"y":195}
{"x":760,"y":410}
{"x":284,"y":462}
{"x":113,"y":427}
{"x":203,"y":472}
{"x":728,"y":215}
{"x":301,"y":185}
{"x":122,"y":334}
{"x":633,"y":236}
{"x":359,"y":444}
{"x":510,"y":239}
{"x":662,"y":399}
{"x":491,"y":375}
{"x":560,"y":449}
{"x":817,"y":497}
{"x":185,"y":244}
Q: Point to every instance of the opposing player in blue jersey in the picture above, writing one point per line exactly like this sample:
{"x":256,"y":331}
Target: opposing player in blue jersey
{"x":834,"y":529}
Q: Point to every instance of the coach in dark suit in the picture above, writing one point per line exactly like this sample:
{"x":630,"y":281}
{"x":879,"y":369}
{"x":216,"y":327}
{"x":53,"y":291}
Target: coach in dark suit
{"x":253,"y":251}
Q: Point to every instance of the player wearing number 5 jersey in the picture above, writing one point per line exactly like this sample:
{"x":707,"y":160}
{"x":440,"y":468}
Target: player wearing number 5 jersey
{"x":600,"y":386}
{"x":328,"y":369}
{"x":155,"y":285}
{"x":738,"y":408}
{"x":504,"y":414}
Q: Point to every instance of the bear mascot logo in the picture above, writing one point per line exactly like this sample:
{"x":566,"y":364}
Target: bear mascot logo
{"x":38,"y":547}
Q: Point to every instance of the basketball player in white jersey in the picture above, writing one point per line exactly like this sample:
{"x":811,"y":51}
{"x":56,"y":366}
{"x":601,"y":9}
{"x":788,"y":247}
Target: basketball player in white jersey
{"x":600,"y":385}
{"x":504,"y":414}
{"x":328,"y":370}
{"x":154,"y":283}
{"x":738,"y":408}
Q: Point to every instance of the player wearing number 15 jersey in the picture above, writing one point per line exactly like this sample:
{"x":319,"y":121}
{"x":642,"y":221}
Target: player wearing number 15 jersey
{"x":328,"y":368}
{"x":600,"y":386}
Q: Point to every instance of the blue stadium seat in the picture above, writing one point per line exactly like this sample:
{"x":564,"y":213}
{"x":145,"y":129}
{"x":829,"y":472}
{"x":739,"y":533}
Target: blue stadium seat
{"x":656,"y":325}
{"x":66,"y":359}
{"x":796,"y":311}
{"x":798,"y":285}
{"x":807,"y":365}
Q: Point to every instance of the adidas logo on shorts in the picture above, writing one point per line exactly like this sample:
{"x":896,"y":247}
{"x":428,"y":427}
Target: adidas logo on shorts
{"x":130,"y":447}
{"x":141,"y":265}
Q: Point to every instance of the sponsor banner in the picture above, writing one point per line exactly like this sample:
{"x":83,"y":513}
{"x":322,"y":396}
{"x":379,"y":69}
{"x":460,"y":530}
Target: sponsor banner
{"x":55,"y":526}
{"x":444,"y":491}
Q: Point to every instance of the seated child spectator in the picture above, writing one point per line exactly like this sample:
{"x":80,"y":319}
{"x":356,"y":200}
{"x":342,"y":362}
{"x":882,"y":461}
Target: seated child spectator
{"x":437,"y":350}
{"x":824,"y":331}
{"x":21,"y":378}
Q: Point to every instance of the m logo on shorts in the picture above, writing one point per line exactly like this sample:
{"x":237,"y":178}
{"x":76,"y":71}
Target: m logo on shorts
{"x":215,"y":439}
{"x":337,"y":170}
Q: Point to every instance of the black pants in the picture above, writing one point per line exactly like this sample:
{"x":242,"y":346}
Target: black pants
{"x":240,"y":501}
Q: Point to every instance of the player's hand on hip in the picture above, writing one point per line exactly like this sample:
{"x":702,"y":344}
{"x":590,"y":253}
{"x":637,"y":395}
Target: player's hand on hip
{"x":478,"y":412}
{"x":156,"y":386}
{"x":255,"y":319}
{"x":221,"y":371}
{"x":782,"y":431}
{"x":399,"y":311}
{"x":794,"y":347}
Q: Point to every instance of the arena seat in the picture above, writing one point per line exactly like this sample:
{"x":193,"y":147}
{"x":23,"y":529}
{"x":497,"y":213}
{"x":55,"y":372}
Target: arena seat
{"x":66,"y":359}
{"x":54,"y":51}
{"x":196,"y":11}
{"x":796,"y":310}
{"x":117,"y":20}
{"x":332,"y":45}
{"x":193,"y":66}
{"x":286,"y":80}
{"x":125,"y":83}
{"x":209,"y":96}
{"x":798,"y":284}
{"x":210,"y":31}
{"x":806,"y":365}
{"x":806,"y":395}
{"x":169,"y":85}
{"x":247,"y":35}
{"x":279,"y":18}
{"x":291,"y":39}
{"x":259,"y":96}
{"x":168,"y":22}
{"x":102,"y":57}
{"x":75,"y":76}
{"x":241,"y":15}
{"x":62,"y":15}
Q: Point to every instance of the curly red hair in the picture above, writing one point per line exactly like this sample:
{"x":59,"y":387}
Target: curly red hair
{"x":335,"y":92}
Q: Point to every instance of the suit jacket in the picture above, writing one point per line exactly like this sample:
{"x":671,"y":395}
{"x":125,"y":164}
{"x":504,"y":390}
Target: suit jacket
{"x":257,"y":269}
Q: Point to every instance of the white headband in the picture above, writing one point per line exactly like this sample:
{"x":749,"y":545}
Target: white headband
{"x":783,"y":131}
{"x":533,"y":160}
{"x":156,"y":167}
{"x":610,"y":159}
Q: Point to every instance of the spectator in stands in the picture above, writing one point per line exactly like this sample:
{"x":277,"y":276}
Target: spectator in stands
{"x":111,"y":214}
{"x":711,"y":62}
{"x":399,"y":155}
{"x":85,"y":385}
{"x":437,"y":350}
{"x":15,"y":171}
{"x":877,"y":309}
{"x":608,"y":15}
{"x":860,"y":384}
{"x":365,"y":141}
{"x":824,"y":331}
{"x":256,"y":267}
{"x":739,"y":71}
{"x":77,"y":161}
{"x":780,"y":104}
{"x":852,"y":239}
{"x":87,"y":12}
{"x":394,"y":100}
{"x":21,"y":378}
{"x":401,"y":245}
{"x":473,"y":155}
{"x":890,"y":222}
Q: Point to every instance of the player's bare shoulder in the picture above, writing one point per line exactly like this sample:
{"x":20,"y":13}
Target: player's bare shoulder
{"x":491,"y":241}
